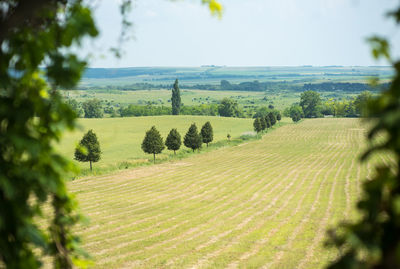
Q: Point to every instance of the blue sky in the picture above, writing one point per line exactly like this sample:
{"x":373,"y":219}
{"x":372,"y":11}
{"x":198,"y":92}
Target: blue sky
{"x":250,"y":33}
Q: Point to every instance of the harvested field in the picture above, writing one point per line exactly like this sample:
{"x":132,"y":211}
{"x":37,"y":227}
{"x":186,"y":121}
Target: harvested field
{"x":264,"y":204}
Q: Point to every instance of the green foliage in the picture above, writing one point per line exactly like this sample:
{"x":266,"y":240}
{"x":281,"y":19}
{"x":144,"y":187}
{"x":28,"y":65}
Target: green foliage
{"x":310,"y":102}
{"x":278,"y":116}
{"x":176,"y":99}
{"x":267,"y":122}
{"x":374,"y":240}
{"x":32,"y":119}
{"x":88,"y":149}
{"x":192,"y":138}
{"x":296,"y":113}
{"x":272,"y":118}
{"x":75,"y":107}
{"x":92,"y":109}
{"x":257,"y":125}
{"x":173,"y":141}
{"x":229,"y":108}
{"x":263,"y":123}
{"x":207,"y":133}
{"x":153,"y":142}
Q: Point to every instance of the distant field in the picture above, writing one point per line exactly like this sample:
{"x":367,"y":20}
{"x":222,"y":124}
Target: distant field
{"x":121,"y":138}
{"x":214,"y":74}
{"x":189,"y":97}
{"x":263,"y":204}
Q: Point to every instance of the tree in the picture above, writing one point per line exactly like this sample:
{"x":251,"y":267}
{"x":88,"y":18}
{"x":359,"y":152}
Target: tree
{"x":229,"y":108}
{"x":361,"y":101}
{"x":272,"y":118}
{"x":36,"y":59}
{"x":153,"y":142}
{"x":373,"y":240}
{"x":207,"y":133}
{"x":75,"y":107}
{"x":267,"y":122}
{"x":257,"y":125}
{"x":263,"y":123}
{"x":192,"y":138}
{"x":176,"y":99}
{"x":310,"y":102}
{"x":278,"y":116}
{"x":88,"y":149}
{"x":296,"y":112}
{"x":92,"y":109}
{"x":173,"y":141}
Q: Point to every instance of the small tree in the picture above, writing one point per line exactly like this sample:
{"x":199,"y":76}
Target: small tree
{"x":192,"y":138}
{"x":272,"y":118}
{"x":173,"y":141}
{"x":207,"y":133}
{"x":278,"y":116}
{"x":88,"y":149}
{"x":153,"y":142}
{"x":176,"y":99}
{"x":228,"y":136}
{"x":257,"y":125}
{"x":263,"y":123}
{"x":267,"y":121}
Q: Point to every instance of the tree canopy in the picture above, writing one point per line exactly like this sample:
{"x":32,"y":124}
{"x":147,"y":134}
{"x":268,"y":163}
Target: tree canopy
{"x":92,"y":109}
{"x":192,"y":138}
{"x":88,"y":149}
{"x":229,"y":108}
{"x":173,"y":141}
{"x":310,"y":102}
{"x":153,"y":142}
{"x":207,"y":133}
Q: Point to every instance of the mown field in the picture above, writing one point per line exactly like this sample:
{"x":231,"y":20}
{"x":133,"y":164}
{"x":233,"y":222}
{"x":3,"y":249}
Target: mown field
{"x":121,"y":138}
{"x":262,"y":204}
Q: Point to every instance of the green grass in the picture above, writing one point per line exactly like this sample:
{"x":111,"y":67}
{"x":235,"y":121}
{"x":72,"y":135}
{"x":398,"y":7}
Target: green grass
{"x":262,"y":203}
{"x":121,"y":138}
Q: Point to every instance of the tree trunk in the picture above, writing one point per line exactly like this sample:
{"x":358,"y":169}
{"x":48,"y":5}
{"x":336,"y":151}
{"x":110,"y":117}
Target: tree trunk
{"x":154,"y":157}
{"x":90,"y":165}
{"x":207,"y":145}
{"x":174,"y":152}
{"x":193,"y":150}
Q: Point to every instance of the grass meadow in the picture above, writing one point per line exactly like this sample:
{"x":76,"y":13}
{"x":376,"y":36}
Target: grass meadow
{"x":262,"y":204}
{"x":121,"y":138}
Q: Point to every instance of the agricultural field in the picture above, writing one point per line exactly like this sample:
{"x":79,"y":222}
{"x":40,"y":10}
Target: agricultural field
{"x":262,"y":204}
{"x":121,"y":138}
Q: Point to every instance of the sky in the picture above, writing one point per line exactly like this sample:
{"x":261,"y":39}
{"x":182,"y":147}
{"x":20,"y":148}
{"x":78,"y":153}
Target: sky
{"x":250,"y":33}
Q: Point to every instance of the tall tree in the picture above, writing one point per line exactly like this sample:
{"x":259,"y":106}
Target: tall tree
{"x":207,"y":133}
{"x":257,"y":125}
{"x":192,"y":138}
{"x":92,"y":108}
{"x":153,"y":142}
{"x":310,"y":102}
{"x":88,"y":149}
{"x":176,"y":99}
{"x":296,"y":112}
{"x":173,"y":141}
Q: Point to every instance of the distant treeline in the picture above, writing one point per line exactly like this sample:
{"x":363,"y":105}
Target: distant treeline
{"x":254,"y":86}
{"x":344,"y":87}
{"x":150,"y":110}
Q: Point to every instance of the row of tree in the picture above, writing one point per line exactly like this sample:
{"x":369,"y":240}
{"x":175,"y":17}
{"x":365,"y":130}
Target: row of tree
{"x":88,"y":149}
{"x":263,"y":123}
{"x":153,"y":142}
